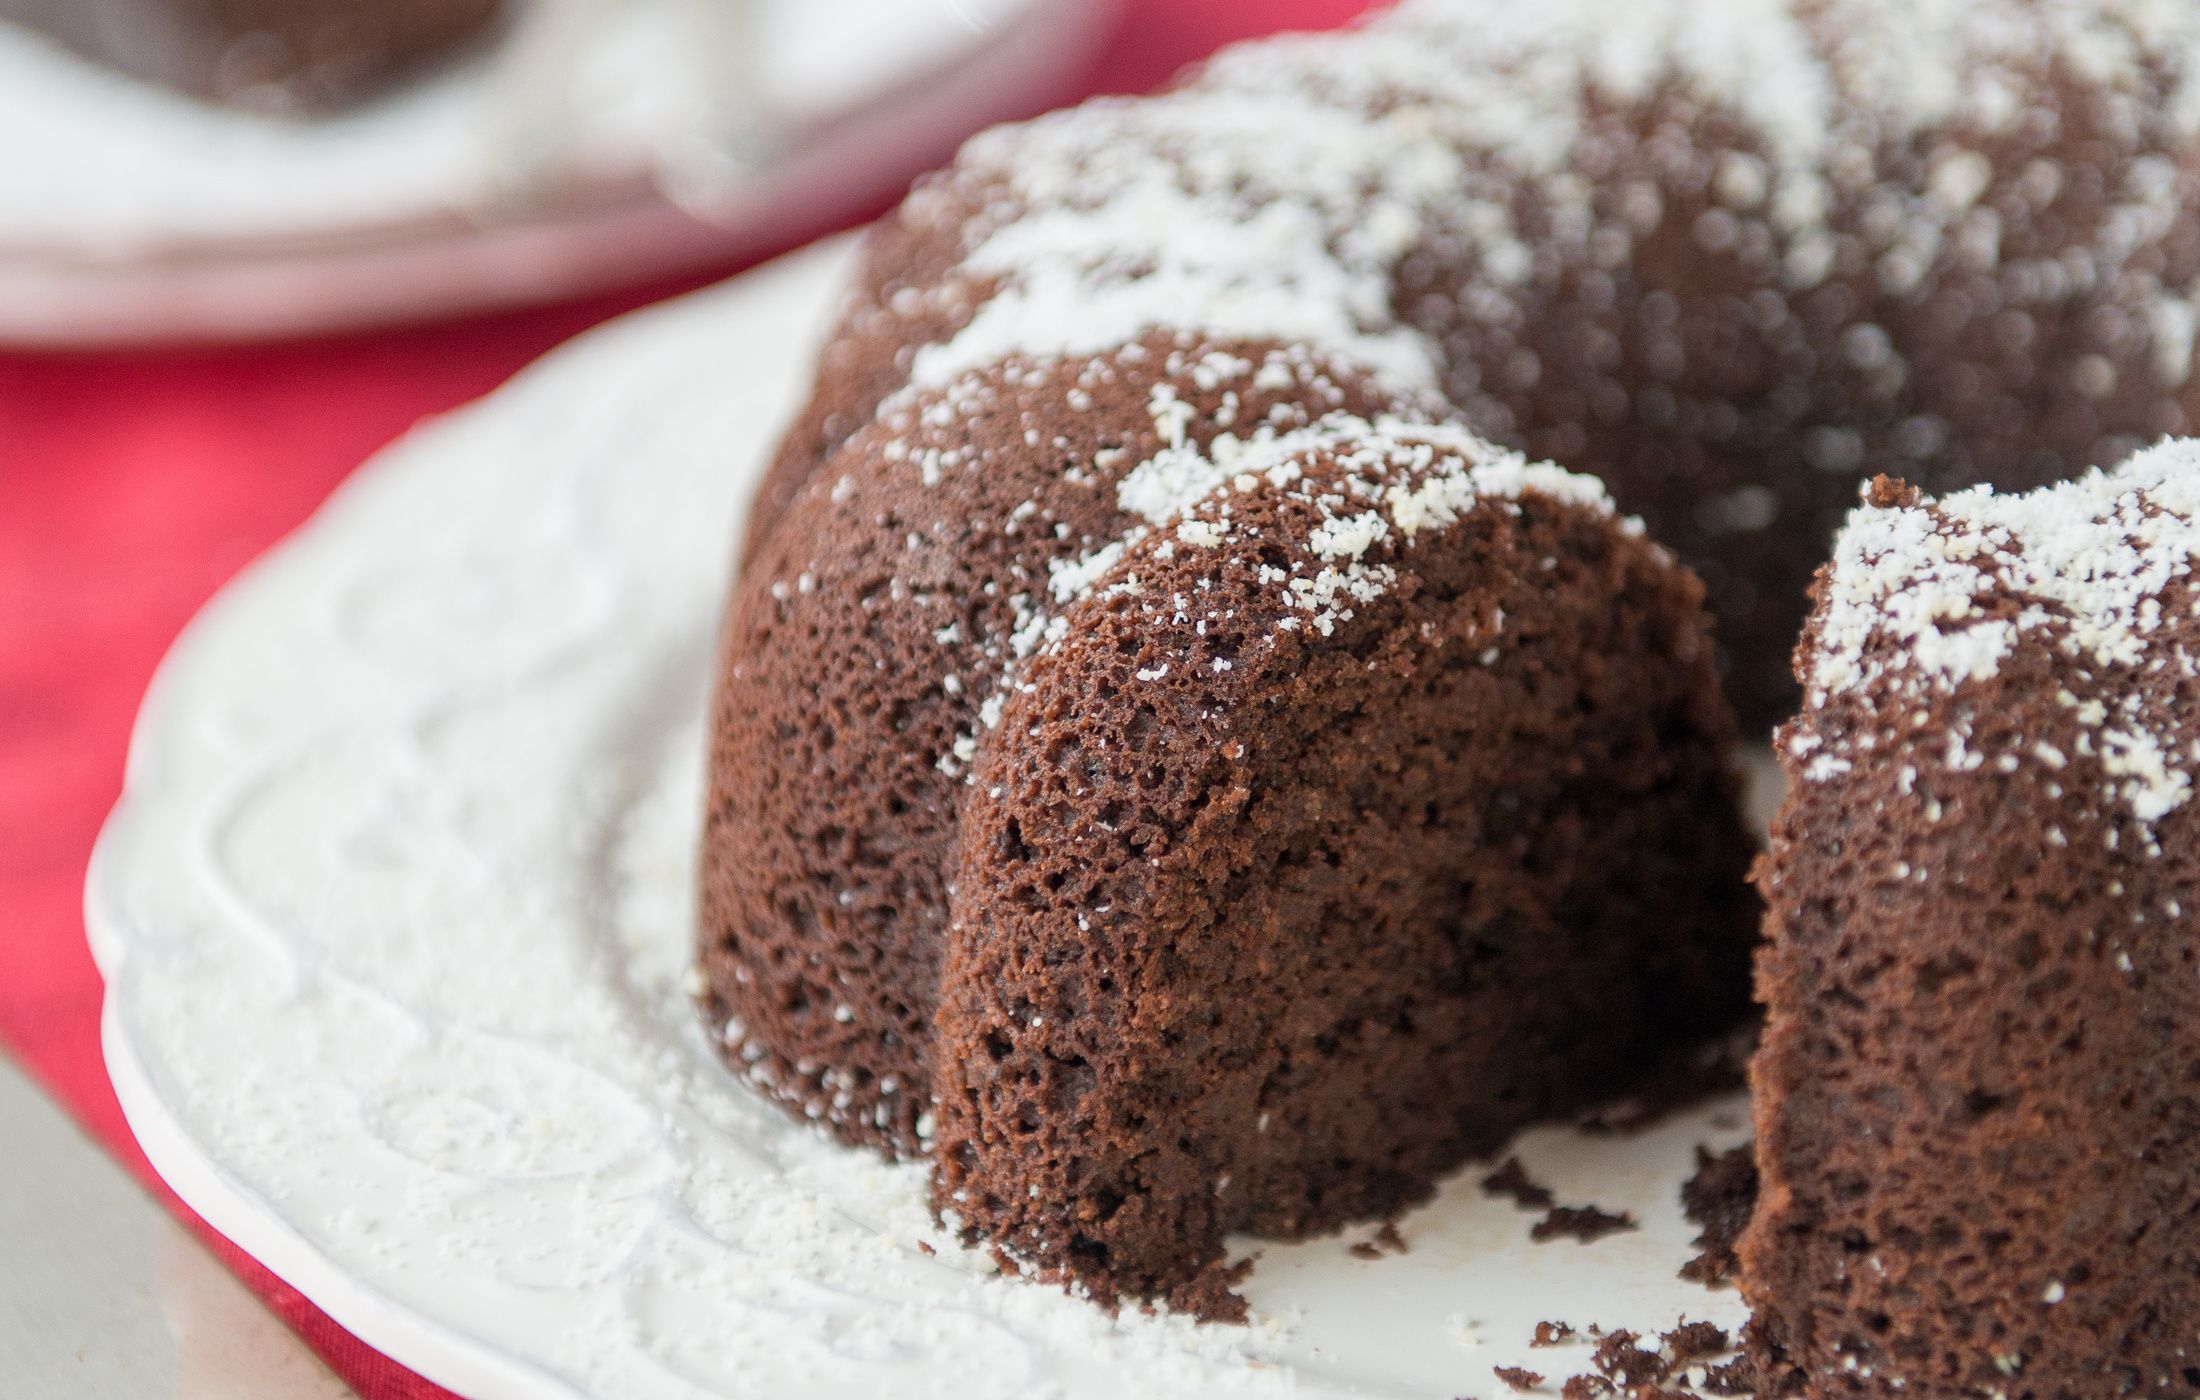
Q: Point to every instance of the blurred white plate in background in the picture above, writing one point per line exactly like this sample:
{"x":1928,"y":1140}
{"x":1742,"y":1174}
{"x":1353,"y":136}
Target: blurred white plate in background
{"x":131,"y":214}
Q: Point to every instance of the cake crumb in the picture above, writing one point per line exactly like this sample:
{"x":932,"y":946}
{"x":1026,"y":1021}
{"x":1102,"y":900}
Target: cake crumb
{"x":1551,"y":1334}
{"x":1693,"y":1341}
{"x":1718,"y":1199}
{"x":1629,"y":1365}
{"x":1511,"y":1179}
{"x":1386,"y":1240}
{"x":1588,"y":1224}
{"x":1624,"y":1368}
{"x":1212,"y":1295}
{"x":1518,"y":1377}
{"x":1584,"y":1223}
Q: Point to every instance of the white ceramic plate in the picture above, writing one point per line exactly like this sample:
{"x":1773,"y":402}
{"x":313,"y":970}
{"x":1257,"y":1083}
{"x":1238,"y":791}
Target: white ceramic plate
{"x":128,"y":213}
{"x":394,"y":916}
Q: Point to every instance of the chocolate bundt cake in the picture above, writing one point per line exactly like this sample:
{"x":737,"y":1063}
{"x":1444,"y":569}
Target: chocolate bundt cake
{"x":1733,"y":258}
{"x":1300,"y":802}
{"x":1123,"y":791}
{"x":1978,"y":1129}
{"x":1367,"y":803}
{"x":271,"y":55}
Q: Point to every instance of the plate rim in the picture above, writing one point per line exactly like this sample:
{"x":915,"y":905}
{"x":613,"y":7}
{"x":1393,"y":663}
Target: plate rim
{"x":403,"y":1323}
{"x":443,"y":1354}
{"x":610,"y":230}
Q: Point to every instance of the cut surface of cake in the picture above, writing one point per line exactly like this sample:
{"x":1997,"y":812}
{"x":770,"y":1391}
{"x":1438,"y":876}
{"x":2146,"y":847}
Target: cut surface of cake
{"x":1039,"y":843}
{"x":1732,"y":258}
{"x":1362,"y":798}
{"x":1975,"y":1097}
{"x":1371,"y":807}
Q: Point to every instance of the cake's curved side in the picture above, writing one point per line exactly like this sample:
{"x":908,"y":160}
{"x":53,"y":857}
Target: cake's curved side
{"x":1974,"y":1096}
{"x":1374,"y":804}
{"x":1722,"y":256}
{"x":1730,"y":258}
{"x":861,"y":665}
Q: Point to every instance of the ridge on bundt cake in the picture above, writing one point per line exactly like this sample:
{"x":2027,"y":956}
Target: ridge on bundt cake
{"x":1001,"y":865}
{"x":1733,"y":258}
{"x":1372,"y":806}
{"x":1975,"y":1097}
{"x":1236,"y":841}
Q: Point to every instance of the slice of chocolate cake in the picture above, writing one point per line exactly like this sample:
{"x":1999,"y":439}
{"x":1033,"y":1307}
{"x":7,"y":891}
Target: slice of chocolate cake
{"x":1369,"y":806}
{"x":1978,"y":1094}
{"x":289,"y":56}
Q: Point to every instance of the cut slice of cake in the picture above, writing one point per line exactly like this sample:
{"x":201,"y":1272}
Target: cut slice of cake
{"x":1234,"y":834}
{"x":1368,"y":806}
{"x":1978,"y":1093}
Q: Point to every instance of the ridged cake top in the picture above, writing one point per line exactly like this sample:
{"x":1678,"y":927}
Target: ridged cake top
{"x":1359,"y":494}
{"x":1286,"y":193}
{"x":1925,"y":595}
{"x":1277,"y":193}
{"x":1235,"y":215}
{"x":1375,"y":482}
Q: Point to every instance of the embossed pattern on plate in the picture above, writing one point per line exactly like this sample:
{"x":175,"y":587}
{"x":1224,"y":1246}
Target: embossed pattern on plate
{"x":394,"y":916}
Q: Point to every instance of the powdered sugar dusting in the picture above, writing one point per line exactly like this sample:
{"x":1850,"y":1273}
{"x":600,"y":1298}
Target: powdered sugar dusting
{"x":1924,"y":597}
{"x":1381,"y":481}
{"x":1282,"y":221}
{"x":1278,"y":193}
{"x":1397,"y":478}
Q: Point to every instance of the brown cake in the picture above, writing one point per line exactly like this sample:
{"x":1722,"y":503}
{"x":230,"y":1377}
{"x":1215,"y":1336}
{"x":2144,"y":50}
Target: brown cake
{"x":1978,"y":1127}
{"x":271,"y":55}
{"x":1003,"y":866}
{"x":1734,"y":258}
{"x":1236,"y":841}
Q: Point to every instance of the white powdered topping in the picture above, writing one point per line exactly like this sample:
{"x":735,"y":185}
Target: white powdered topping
{"x":1203,"y":534}
{"x":1302,"y":189}
{"x":1369,"y":483}
{"x":1940,"y":61}
{"x":1392,"y":477}
{"x":1281,"y":221}
{"x":2091,"y":556}
{"x":1160,"y":486}
{"x":1923,"y":598}
{"x":1277,"y":195}
{"x":1350,"y":538}
{"x":1753,"y":56}
{"x":1074,"y":577}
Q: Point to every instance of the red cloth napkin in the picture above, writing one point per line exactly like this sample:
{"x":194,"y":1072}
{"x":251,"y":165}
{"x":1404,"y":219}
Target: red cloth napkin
{"x":133,"y":485}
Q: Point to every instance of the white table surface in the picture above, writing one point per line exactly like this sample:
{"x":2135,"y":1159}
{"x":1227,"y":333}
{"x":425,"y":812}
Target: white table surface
{"x":103,"y":1296}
